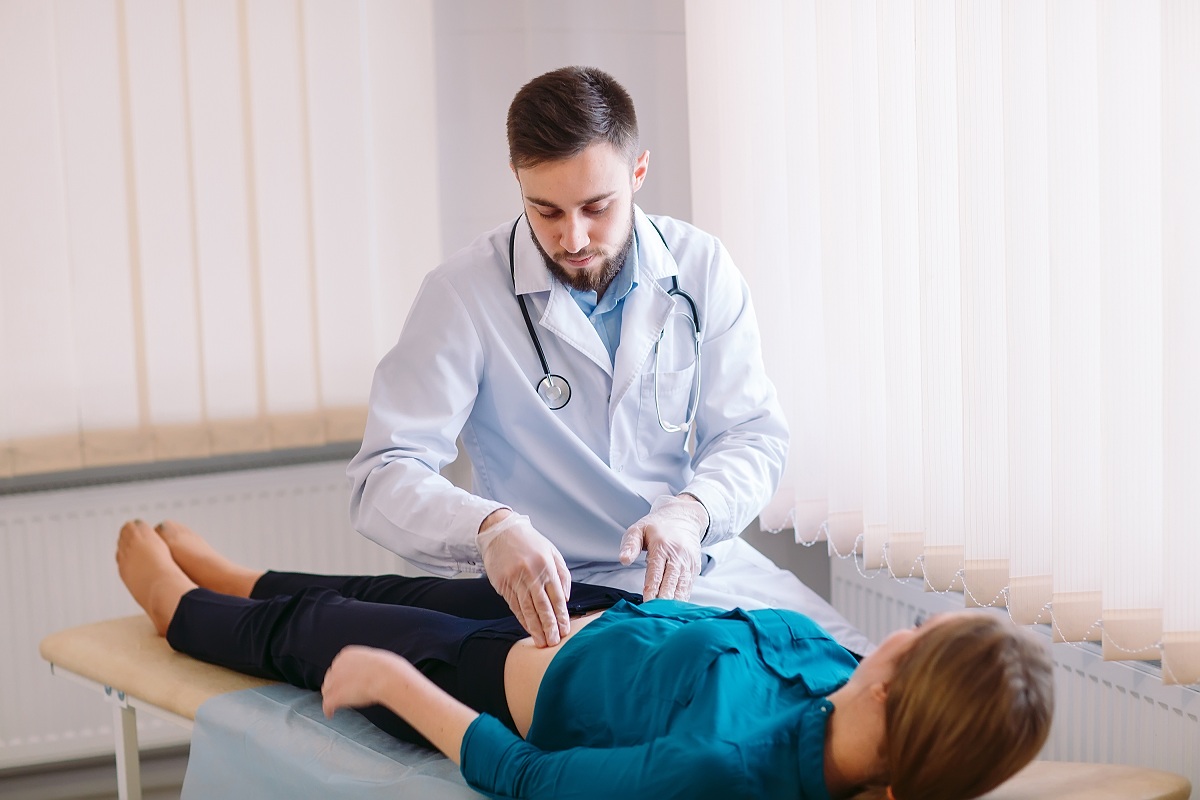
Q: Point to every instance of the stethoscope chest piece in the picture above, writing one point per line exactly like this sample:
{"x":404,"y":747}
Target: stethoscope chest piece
{"x":554,"y":391}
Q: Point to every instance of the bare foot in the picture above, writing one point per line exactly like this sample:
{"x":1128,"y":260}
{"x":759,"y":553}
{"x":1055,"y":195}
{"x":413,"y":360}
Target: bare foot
{"x":150,"y":574}
{"x":201,"y":562}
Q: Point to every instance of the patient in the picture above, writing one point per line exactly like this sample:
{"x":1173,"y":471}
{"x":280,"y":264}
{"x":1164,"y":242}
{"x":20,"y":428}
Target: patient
{"x":659,"y":700}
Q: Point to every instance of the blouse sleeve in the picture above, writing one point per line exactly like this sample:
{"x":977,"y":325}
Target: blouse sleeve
{"x":500,"y":764}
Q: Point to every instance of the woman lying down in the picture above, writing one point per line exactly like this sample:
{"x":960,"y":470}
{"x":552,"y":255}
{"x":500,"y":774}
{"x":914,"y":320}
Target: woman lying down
{"x":655,"y":700}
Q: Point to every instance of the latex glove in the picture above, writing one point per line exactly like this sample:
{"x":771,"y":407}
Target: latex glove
{"x":670,"y":534}
{"x":528,"y":572}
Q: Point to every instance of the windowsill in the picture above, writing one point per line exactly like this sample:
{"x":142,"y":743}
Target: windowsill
{"x":128,"y":473}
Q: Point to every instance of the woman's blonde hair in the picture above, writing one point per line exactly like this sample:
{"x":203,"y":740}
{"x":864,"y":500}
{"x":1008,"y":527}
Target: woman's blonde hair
{"x":969,"y":706}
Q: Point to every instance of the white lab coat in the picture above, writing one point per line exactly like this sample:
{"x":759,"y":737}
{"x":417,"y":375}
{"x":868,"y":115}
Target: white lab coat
{"x":465,"y":366}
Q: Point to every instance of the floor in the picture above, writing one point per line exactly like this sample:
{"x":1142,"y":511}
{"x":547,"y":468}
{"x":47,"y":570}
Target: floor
{"x":162,"y":778}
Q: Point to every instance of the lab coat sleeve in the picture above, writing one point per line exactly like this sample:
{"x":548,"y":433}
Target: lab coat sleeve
{"x":741,"y":433}
{"x":422,"y":393}
{"x":500,"y":764}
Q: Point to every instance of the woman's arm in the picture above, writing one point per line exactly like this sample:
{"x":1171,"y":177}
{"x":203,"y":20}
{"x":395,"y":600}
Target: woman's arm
{"x":364,"y":676}
{"x":499,"y":764}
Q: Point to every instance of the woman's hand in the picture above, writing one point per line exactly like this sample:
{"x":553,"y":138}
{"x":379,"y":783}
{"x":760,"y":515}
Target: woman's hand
{"x":365,"y":676}
{"x":359,"y":676}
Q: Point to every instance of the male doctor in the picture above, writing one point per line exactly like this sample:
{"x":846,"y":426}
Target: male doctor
{"x":603,"y":370}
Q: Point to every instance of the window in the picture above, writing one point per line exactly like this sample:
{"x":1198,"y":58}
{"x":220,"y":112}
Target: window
{"x":969,"y":228}
{"x":214,"y":217}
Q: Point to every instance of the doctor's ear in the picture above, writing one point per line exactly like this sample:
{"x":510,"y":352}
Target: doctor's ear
{"x":639,"y":169}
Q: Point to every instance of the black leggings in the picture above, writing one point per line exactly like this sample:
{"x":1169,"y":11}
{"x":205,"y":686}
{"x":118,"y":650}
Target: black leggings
{"x":457,"y":632}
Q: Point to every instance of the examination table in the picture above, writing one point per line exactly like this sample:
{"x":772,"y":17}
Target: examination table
{"x":250,"y":737}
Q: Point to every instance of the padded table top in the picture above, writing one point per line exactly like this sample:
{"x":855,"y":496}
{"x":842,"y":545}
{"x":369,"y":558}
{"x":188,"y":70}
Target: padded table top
{"x":1069,"y":780}
{"x":128,"y":655}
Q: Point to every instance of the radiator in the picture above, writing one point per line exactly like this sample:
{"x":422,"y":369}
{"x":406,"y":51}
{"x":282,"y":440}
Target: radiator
{"x":57,"y":570}
{"x":1106,"y":712}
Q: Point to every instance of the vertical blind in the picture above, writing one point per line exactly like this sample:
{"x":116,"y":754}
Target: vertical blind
{"x":970,"y":227}
{"x":213,"y":216}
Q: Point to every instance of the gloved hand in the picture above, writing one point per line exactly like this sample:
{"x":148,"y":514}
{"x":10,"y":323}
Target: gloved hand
{"x":528,"y":572}
{"x":670,"y":534}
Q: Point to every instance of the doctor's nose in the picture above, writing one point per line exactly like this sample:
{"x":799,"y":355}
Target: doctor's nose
{"x":574,"y":236}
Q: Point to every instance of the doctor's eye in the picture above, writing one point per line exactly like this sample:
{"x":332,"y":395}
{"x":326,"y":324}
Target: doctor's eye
{"x":596,"y":212}
{"x":547,"y":214}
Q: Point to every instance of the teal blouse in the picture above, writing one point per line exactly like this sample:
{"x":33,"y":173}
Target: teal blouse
{"x":670,"y":699}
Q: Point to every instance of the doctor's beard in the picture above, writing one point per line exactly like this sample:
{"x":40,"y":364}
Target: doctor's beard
{"x":596,"y":279}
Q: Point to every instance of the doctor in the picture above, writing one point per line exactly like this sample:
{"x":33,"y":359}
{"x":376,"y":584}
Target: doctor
{"x":603,"y":370}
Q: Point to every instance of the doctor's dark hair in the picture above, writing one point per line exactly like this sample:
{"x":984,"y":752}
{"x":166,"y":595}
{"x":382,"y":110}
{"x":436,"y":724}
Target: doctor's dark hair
{"x":558,"y":115}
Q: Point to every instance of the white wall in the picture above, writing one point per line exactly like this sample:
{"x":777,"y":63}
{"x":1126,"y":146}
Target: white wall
{"x":192,"y":254}
{"x":486,"y":50}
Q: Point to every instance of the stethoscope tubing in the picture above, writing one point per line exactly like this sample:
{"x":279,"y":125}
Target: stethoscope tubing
{"x":552,"y":393}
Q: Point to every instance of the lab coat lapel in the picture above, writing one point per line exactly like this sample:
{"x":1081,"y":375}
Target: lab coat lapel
{"x":647,"y":309}
{"x":562,"y":315}
{"x":565,"y":319}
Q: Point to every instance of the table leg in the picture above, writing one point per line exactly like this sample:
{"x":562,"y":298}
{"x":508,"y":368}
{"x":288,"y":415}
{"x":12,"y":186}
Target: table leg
{"x":129,"y":773}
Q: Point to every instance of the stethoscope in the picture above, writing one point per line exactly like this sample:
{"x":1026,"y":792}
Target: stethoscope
{"x":554,"y":389}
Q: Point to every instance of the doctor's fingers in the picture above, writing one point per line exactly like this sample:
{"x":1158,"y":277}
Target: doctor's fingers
{"x":670,"y":581}
{"x":686,"y":579}
{"x":524,"y":612}
{"x":656,"y":565}
{"x":548,"y":588}
{"x":632,"y":543}
{"x":558,"y":589}
{"x":548,"y":599}
{"x":540,"y":617}
{"x":564,"y":580}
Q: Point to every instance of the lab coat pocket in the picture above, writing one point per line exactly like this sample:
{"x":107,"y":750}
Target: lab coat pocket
{"x":670,"y":406}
